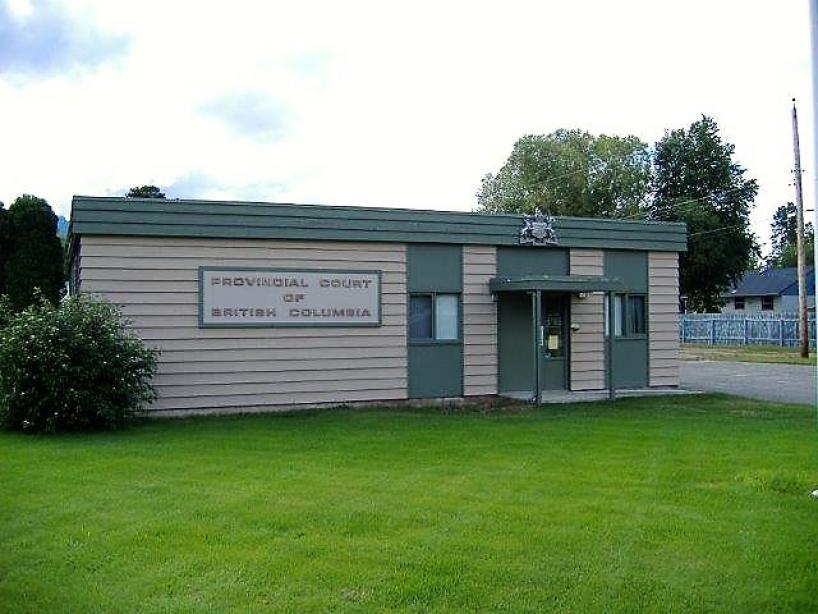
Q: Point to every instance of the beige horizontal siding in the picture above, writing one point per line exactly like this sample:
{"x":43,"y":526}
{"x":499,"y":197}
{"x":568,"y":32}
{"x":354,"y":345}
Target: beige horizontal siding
{"x":241,"y":402}
{"x":308,"y":352}
{"x":479,"y":321}
{"x":587,"y":343}
{"x":161,"y":263}
{"x":283,"y":364}
{"x":155,"y":281}
{"x":663,"y":318}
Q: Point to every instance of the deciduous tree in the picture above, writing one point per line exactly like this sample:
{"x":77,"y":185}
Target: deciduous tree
{"x":570,"y":172}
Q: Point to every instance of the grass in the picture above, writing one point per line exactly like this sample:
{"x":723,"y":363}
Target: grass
{"x":677,"y":503}
{"x":746,"y":353}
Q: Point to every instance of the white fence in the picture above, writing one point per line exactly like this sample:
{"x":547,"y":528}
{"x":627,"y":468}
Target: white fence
{"x":758,"y":328}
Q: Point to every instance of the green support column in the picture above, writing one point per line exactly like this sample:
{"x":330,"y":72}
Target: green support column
{"x":611,"y":329}
{"x":536,"y":319}
{"x":533,"y":296}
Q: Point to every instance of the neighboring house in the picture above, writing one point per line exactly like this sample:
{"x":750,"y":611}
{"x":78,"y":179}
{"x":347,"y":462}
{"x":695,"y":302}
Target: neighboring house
{"x":774,"y":290}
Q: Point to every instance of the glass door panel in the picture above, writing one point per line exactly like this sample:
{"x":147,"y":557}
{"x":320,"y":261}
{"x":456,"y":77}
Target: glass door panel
{"x":554,"y":349}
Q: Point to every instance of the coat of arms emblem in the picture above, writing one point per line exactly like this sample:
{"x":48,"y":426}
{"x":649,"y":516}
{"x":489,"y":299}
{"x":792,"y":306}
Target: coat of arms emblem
{"x":538,"y":229}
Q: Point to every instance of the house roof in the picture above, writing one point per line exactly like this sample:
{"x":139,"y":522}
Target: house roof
{"x":771,"y":282}
{"x":228,"y":219}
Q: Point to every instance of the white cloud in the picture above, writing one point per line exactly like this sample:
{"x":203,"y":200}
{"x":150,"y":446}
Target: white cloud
{"x":396,"y":105}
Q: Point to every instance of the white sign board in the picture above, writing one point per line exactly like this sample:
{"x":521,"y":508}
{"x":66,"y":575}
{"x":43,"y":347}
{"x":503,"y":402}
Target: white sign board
{"x":274,"y":297}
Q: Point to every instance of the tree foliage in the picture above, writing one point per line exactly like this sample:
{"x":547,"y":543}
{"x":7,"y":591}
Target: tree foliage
{"x":783,"y":240}
{"x":71,"y":366}
{"x":35,"y":257}
{"x":570,"y":172}
{"x":145,"y":191}
{"x":5,"y":246}
{"x":697,"y":181}
{"x":689,"y":176}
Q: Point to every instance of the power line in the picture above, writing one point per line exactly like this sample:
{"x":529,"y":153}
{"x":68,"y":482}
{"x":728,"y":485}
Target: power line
{"x":707,"y":232}
{"x":684,"y":203}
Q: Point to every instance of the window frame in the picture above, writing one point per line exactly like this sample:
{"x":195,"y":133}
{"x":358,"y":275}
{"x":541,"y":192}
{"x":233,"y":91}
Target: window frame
{"x":739,"y":300}
{"x":772,"y":303}
{"x":627,"y":333}
{"x":433,"y":340}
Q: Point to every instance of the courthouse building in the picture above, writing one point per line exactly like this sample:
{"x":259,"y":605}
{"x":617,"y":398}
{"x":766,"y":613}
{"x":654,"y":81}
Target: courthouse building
{"x":260,"y":306}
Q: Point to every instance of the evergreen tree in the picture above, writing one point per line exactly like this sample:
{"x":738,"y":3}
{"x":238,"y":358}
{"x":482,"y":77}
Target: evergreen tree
{"x":35,"y":258}
{"x":784,"y":252}
{"x":146,"y":191}
{"x":697,"y":181}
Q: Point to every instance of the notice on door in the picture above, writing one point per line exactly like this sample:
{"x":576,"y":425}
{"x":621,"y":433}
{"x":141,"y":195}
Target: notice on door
{"x":272,"y":297}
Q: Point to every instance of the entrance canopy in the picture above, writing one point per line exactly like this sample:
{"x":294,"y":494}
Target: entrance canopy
{"x":557,"y":283}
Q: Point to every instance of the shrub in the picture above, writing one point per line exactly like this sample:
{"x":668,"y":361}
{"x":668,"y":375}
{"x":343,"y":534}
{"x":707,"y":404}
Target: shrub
{"x":71,"y":367}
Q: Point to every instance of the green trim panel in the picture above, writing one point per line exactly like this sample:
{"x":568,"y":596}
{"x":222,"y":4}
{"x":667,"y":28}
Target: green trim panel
{"x":194,"y":218}
{"x":520,"y":261}
{"x":556,"y":283}
{"x":434,"y":268}
{"x":435,"y":370}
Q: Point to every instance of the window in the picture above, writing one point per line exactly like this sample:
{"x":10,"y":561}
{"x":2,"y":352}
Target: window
{"x":434,"y":317}
{"x":420,"y":317}
{"x":629,"y":315}
{"x":636,"y":315}
{"x":767,"y":303}
{"x":446,"y":320}
{"x":619,"y":315}
{"x":738,"y":303}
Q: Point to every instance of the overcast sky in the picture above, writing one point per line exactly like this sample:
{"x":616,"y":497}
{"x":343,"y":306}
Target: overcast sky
{"x":382,"y":103}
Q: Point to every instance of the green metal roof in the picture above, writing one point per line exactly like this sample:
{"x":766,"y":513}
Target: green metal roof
{"x":248,"y":220}
{"x":557,"y":283}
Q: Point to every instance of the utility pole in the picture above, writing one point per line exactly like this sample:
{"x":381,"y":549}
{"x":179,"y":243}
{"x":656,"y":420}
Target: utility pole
{"x":799,"y":238}
{"x":813,"y":20}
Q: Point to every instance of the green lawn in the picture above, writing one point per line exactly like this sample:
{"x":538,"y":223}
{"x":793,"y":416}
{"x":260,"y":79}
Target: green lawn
{"x":746,"y":353}
{"x":677,"y":503}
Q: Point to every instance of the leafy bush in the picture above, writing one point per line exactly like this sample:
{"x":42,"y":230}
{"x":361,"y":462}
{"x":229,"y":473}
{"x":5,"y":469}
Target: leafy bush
{"x":70,"y":367}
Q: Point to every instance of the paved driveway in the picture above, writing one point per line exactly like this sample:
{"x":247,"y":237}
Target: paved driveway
{"x":771,"y":382}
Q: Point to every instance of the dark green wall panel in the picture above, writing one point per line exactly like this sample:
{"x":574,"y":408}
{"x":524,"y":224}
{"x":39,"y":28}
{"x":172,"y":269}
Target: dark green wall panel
{"x":630,"y":354}
{"x":518,"y":261}
{"x":435,"y":370}
{"x":629,"y":266}
{"x":434,"y":268}
{"x":630,"y":364}
{"x":515,"y":342}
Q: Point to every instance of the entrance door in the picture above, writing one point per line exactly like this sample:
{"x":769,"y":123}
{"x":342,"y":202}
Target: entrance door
{"x":554,"y":349}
